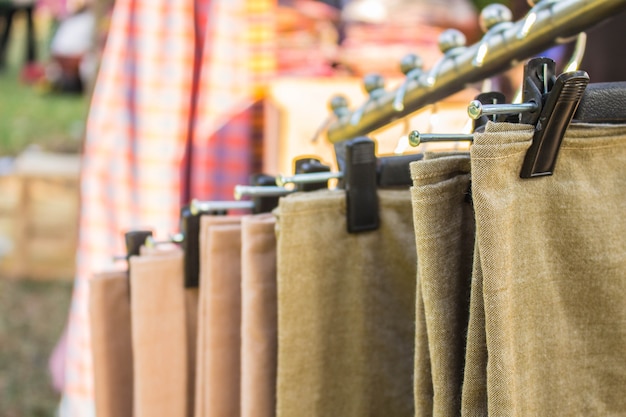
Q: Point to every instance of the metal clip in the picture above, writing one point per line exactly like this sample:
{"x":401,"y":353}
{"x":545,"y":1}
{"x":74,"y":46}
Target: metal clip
{"x":312,"y":178}
{"x":196,"y":207}
{"x":259,"y":191}
{"x":555,"y":117}
{"x":489,"y":98}
{"x":477,"y":109}
{"x":416,"y":138}
{"x":374,"y":85}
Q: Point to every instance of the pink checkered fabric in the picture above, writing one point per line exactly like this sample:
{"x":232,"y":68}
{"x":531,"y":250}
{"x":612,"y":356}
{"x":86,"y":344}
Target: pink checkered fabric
{"x":169,"y":117}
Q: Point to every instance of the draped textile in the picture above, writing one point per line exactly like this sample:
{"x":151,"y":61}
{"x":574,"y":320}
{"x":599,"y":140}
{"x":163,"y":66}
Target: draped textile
{"x":219,"y":336}
{"x":346,"y":308}
{"x":553,"y":255}
{"x":109,"y":310}
{"x":170,"y":81}
{"x":259,"y":321}
{"x":444,"y":232}
{"x":159,"y":336}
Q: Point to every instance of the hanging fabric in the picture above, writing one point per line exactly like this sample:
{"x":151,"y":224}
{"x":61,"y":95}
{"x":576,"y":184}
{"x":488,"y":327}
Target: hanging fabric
{"x":159,"y":335}
{"x":346,"y":307}
{"x":444,"y":233}
{"x":109,"y":312}
{"x":145,"y":146}
{"x":552,"y":254}
{"x":219,"y":337}
{"x":258,"y":316}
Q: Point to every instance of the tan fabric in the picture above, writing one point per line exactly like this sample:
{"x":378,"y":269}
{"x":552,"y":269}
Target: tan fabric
{"x":258,"y":320}
{"x":444,"y":234}
{"x":191,"y":320}
{"x":346,"y":308}
{"x":206,"y":222}
{"x":474,"y":397}
{"x":219,"y":335}
{"x":553,"y":257}
{"x":159,"y":332}
{"x":109,"y":308}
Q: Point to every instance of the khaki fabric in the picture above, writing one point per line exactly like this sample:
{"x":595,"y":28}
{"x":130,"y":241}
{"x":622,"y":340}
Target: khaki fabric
{"x":553,"y":259}
{"x":200,"y":386}
{"x":191,"y":320}
{"x":258,"y":321}
{"x":109,"y":312}
{"x":219,"y":332}
{"x":159,"y":335}
{"x":474,"y":396}
{"x":346,"y":308}
{"x":444,"y":235}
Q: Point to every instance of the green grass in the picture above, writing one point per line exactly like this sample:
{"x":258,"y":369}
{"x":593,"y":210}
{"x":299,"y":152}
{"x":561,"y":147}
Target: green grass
{"x":32,"y":313}
{"x":29,"y":116}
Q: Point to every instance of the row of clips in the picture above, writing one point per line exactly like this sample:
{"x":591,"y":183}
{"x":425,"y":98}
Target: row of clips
{"x":360,"y":175}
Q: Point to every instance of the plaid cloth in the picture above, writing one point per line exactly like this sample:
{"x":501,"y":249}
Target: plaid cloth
{"x":171,"y":116}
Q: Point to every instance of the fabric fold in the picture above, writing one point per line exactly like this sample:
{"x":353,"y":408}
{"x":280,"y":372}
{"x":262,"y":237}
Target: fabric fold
{"x":553,"y":256}
{"x":444,"y":233}
{"x":258,"y":316}
{"x":219,"y":332}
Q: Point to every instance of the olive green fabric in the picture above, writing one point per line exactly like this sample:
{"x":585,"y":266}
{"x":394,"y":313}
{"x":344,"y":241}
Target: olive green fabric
{"x":553,"y":259}
{"x":444,"y":234}
{"x":346,"y":308}
{"x":109,"y":313}
{"x":259,"y":340}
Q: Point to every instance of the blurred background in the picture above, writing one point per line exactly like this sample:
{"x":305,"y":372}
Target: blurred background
{"x":40,"y":139}
{"x":49,"y":52}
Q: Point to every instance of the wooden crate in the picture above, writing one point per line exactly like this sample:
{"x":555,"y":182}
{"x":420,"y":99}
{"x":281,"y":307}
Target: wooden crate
{"x":39,"y":217}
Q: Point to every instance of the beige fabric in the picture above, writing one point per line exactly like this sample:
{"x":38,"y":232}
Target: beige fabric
{"x":109,"y":308}
{"x":258,"y":320}
{"x":206,"y":222}
{"x":444,"y":234}
{"x":219,"y":334}
{"x":346,"y":308}
{"x":159,"y":335}
{"x":553,"y":257}
{"x":191,"y":320}
{"x":474,"y":396}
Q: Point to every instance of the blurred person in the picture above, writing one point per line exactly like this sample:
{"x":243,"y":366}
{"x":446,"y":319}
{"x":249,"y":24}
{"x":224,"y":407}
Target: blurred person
{"x":71,"y":59}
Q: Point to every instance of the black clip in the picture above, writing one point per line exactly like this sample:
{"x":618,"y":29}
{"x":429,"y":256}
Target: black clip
{"x":190,"y":228}
{"x":134,"y":240}
{"x":557,"y":100}
{"x":363,"y":173}
{"x":492,"y":97}
{"x":263,"y":204}
{"x":361,"y":185}
{"x":310,"y":165}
